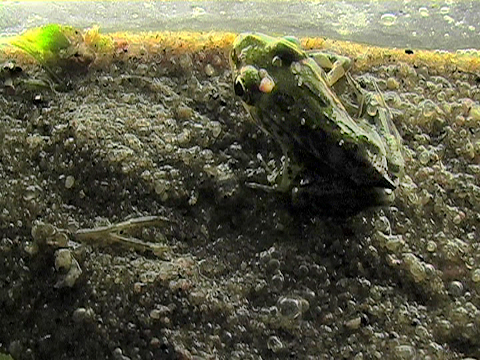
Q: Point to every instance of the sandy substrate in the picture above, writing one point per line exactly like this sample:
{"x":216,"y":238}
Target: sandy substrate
{"x":151,"y":127}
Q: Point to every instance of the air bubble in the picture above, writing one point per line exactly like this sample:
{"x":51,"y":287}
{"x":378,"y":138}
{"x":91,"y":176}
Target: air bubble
{"x":432,"y":246}
{"x":296,"y":67}
{"x":455,"y":288}
{"x":278,"y":281}
{"x":476,"y":275}
{"x":405,"y":352}
{"x":423,"y":12}
{"x":424,"y":157}
{"x":388,"y":19}
{"x":292,"y":307}
{"x":428,"y":108}
{"x":198,"y":11}
{"x":444,"y":10}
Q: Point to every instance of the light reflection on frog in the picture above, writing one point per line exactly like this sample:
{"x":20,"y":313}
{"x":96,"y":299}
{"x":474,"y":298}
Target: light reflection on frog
{"x":289,"y":94}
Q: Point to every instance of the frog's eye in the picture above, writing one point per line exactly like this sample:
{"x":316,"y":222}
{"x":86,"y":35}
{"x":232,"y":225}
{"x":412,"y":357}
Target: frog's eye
{"x":246,"y":83}
{"x":243,"y":91}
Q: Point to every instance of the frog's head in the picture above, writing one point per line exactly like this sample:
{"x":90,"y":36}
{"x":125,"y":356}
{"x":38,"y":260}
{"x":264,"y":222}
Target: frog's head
{"x":255,"y":57}
{"x":246,"y":84}
{"x":250,"y":83}
{"x":264,"y":51}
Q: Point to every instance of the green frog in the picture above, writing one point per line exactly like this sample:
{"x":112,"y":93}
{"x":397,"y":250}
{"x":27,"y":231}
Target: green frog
{"x":288,"y":93}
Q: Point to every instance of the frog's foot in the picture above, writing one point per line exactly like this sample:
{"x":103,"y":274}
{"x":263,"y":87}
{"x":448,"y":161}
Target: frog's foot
{"x":118,"y":234}
{"x":281,"y":180}
{"x":369,"y":101}
{"x":336,"y":65}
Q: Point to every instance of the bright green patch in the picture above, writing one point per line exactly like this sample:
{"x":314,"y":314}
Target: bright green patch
{"x":46,"y":43}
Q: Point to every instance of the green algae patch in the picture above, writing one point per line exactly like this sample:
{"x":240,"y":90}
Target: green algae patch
{"x":55,"y":43}
{"x":65,"y":46}
{"x":46,"y":43}
{"x":56,"y":48}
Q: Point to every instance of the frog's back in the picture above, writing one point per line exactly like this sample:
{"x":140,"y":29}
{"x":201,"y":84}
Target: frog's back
{"x":313,"y":120}
{"x":287,"y":94}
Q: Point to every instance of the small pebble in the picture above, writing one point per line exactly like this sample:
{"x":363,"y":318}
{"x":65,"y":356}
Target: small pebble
{"x":392,"y":83}
{"x":63,"y":259}
{"x":69,"y":182}
{"x":354,"y":324}
{"x":209,"y":70}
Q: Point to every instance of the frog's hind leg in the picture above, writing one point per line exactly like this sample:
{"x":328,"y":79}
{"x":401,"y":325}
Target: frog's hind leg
{"x":368,"y":101}
{"x":360,"y":94}
{"x":372,"y":103}
{"x":336,"y":66}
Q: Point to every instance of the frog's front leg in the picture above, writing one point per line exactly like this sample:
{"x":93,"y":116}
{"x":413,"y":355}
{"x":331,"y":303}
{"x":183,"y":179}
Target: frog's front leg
{"x":281,"y":179}
{"x":289,"y":171}
{"x":336,"y":65}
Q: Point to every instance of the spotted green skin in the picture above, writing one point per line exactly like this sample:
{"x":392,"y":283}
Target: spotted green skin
{"x":306,"y":116}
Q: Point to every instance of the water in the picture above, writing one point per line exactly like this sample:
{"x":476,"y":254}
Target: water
{"x":416,"y":24}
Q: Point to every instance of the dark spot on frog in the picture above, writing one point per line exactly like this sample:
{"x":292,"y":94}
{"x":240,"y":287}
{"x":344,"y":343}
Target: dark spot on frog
{"x":408,"y":52}
{"x":286,"y":53}
{"x":284,"y":101}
